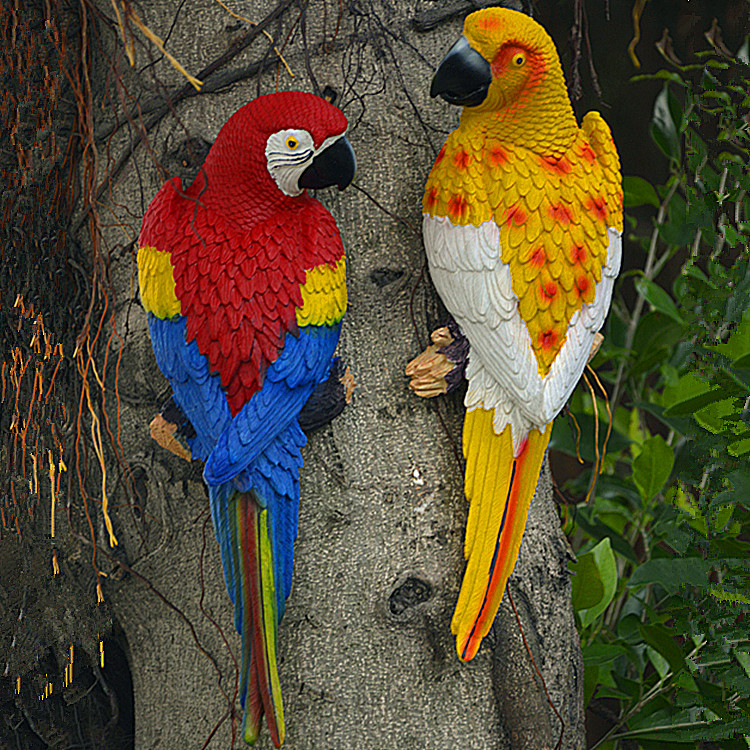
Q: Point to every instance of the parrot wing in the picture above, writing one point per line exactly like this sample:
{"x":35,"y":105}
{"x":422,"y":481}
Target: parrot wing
{"x":503,"y":371}
{"x":532,"y":283}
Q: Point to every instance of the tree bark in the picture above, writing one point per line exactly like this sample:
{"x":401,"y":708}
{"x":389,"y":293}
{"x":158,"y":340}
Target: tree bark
{"x":367,"y":659}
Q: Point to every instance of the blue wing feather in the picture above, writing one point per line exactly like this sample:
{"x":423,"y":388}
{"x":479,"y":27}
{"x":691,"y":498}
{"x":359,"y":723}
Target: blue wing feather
{"x":304,"y":362}
{"x":197,"y":391}
{"x":224,"y":527}
{"x":258,"y":450}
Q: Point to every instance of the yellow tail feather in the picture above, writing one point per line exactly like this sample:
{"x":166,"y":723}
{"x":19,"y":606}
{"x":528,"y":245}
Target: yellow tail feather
{"x":499,"y":487}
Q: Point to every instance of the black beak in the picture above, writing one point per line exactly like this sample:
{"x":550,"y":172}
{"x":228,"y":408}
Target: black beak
{"x":335,"y":165}
{"x":463,"y":77}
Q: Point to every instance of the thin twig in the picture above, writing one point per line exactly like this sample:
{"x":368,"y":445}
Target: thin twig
{"x":265,"y":32}
{"x":595,"y":473}
{"x":536,"y":668}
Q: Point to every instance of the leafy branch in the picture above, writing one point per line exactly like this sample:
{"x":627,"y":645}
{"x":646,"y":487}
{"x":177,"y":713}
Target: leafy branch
{"x":664,"y":547}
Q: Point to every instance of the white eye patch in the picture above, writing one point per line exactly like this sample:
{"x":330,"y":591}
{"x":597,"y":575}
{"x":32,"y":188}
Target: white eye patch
{"x":288,"y":154}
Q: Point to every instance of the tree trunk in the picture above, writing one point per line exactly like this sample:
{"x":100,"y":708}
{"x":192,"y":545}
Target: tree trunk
{"x":367,"y":659}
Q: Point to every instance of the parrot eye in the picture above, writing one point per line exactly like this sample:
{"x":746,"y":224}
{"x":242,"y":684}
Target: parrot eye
{"x":519,"y":60}
{"x":292,"y":143}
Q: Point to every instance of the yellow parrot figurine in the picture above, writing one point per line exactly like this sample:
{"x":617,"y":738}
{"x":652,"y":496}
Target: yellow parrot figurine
{"x":523,"y":234}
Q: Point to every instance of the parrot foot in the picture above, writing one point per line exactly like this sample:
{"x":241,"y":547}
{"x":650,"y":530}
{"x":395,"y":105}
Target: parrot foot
{"x":598,"y":338}
{"x":347,"y":380}
{"x":329,"y":399}
{"x":440,"y":367}
{"x":165,"y":434}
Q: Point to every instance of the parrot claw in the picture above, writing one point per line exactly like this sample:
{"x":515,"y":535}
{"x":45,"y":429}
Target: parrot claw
{"x":427,"y":373}
{"x":442,"y":336}
{"x":164,"y":434}
{"x":329,"y":399}
{"x":347,"y":380}
{"x":439,"y":368}
{"x":598,"y":338}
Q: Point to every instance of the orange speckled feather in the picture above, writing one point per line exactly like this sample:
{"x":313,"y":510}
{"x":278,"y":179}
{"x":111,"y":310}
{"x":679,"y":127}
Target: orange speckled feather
{"x":552,"y":215}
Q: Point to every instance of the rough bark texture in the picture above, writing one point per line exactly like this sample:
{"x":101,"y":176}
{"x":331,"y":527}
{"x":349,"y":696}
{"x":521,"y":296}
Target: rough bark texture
{"x":367,"y":659}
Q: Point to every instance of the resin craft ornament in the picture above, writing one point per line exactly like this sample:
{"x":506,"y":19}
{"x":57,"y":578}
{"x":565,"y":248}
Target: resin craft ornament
{"x":243,"y":277}
{"x":523,"y":233}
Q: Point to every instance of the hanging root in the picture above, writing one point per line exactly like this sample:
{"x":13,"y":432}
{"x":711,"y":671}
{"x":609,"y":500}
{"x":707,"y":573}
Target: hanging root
{"x":599,"y":458}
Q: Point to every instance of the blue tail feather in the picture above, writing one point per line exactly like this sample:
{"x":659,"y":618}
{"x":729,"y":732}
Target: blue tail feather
{"x":276,"y":487}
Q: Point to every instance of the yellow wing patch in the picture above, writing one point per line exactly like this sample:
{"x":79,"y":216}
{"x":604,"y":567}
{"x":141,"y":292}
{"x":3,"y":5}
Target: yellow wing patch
{"x":156,"y":283}
{"x":323,"y":295}
{"x":455,"y":187}
{"x":552,"y":216}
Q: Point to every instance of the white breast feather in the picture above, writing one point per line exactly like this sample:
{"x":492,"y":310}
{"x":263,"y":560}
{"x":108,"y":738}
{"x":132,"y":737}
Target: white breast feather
{"x":475,"y":286}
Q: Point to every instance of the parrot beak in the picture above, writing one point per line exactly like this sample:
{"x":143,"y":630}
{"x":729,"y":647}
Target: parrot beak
{"x":463,"y":77}
{"x":335,"y":165}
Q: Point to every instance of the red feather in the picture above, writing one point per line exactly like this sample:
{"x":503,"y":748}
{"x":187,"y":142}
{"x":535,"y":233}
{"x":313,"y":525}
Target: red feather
{"x":240,"y":247}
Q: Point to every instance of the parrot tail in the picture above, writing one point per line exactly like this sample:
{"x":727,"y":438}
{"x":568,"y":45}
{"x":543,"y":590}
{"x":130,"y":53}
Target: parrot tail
{"x":259,"y":671}
{"x":247,"y":550}
{"x":255,"y":520}
{"x":499,"y":488}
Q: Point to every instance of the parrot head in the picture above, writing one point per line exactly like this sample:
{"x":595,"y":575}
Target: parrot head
{"x":295,"y":161}
{"x":274,"y":148}
{"x":504,"y":63}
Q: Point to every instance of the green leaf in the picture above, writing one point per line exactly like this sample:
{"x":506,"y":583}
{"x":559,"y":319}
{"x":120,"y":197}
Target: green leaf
{"x":676,"y":111}
{"x":587,"y":587}
{"x":744,"y":659}
{"x":689,"y":394}
{"x":742,"y":363}
{"x":672,"y":574}
{"x":656,"y":330}
{"x":590,"y":681}
{"x":733,"y":383}
{"x":694,"y":272}
{"x":739,"y":482}
{"x":657,"y":298}
{"x":663,"y":129}
{"x":696,"y":732}
{"x":712,"y":417}
{"x":649,"y":360}
{"x":731,"y":235}
{"x":661,"y":665}
{"x":594,"y":582}
{"x":739,"y":447}
{"x":723,"y":595}
{"x":652,"y":467}
{"x":738,"y":345}
{"x":660,"y":75}
{"x":689,"y":508}
{"x":659,"y":638}
{"x":602,"y":653}
{"x":694,"y":403}
{"x":638,"y":192}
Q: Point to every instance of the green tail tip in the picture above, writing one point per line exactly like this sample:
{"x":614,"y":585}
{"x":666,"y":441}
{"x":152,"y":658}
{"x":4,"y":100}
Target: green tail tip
{"x":250,"y":730}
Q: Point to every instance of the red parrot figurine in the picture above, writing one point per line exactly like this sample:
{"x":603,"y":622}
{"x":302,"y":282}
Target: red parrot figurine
{"x":243,"y":277}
